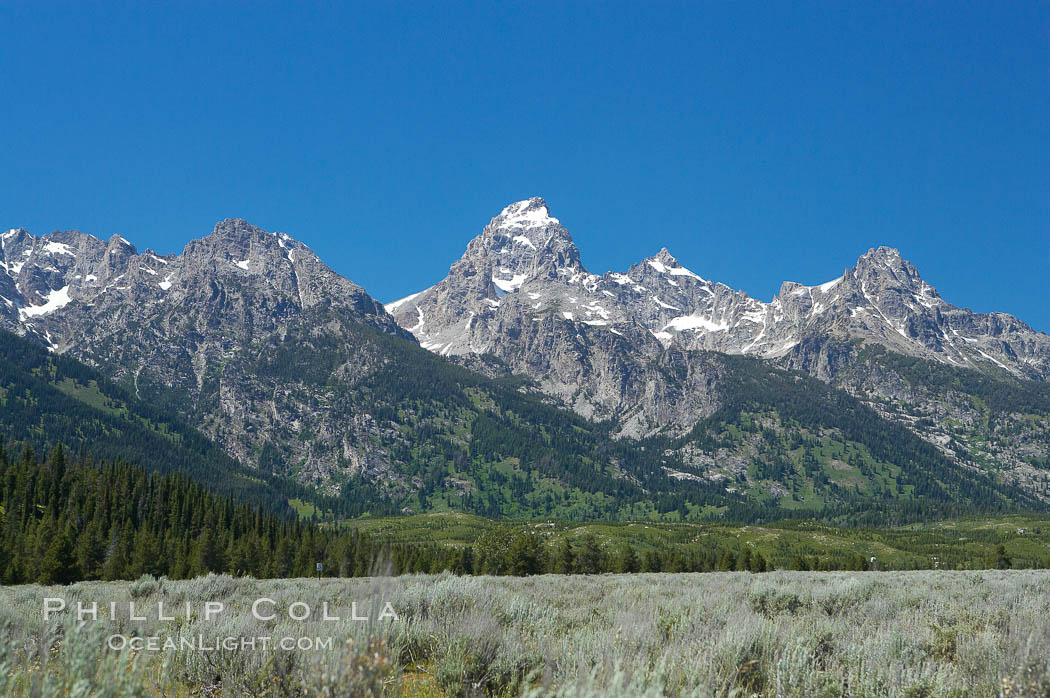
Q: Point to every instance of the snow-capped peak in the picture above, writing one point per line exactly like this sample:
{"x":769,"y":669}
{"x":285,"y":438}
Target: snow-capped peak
{"x":529,"y":213}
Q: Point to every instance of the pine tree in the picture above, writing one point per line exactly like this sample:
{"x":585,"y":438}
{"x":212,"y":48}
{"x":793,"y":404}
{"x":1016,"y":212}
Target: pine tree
{"x":91,"y":552}
{"x":652,"y":562}
{"x":525,"y":556}
{"x":589,"y":558}
{"x":146,"y":557}
{"x":566,"y":558}
{"x":628,"y":562}
{"x":727,"y":560}
{"x":57,"y":565}
{"x":468,"y":560}
{"x":116,"y":565}
{"x":208,"y":556}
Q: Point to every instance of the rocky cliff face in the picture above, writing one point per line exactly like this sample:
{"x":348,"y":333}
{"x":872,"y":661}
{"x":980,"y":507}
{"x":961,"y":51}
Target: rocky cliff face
{"x":191,"y":329}
{"x":521,"y":293}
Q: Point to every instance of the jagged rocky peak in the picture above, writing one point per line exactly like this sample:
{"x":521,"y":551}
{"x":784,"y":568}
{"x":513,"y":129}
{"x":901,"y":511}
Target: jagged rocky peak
{"x":13,"y":237}
{"x":118,"y":245}
{"x":883,"y":279}
{"x":234,"y":242}
{"x":15,"y":246}
{"x":881,"y":299}
{"x":58,"y":248}
{"x":234,"y":235}
{"x":278,"y":264}
{"x":238,"y":265}
{"x":527,"y":223}
{"x":237,"y":231}
{"x":524,"y":238}
{"x":884,"y":266}
{"x":523,"y":246}
{"x":119,"y":253}
{"x":663,"y":262}
{"x":72,"y":238}
{"x":883,"y":255}
{"x":665,"y":257}
{"x":237,"y":228}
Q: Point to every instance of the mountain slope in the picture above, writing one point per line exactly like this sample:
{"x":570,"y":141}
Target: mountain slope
{"x":48,"y":399}
{"x":174,"y":329}
{"x":789,"y":438}
{"x":632,"y":347}
{"x":990,"y":420}
{"x":296,"y":371}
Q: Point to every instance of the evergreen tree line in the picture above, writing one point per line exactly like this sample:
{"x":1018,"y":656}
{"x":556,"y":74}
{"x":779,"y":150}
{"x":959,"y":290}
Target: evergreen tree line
{"x":65,"y":519}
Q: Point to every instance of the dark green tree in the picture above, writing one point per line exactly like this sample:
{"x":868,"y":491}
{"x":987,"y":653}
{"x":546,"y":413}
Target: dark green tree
{"x":589,"y":557}
{"x":628,"y":562}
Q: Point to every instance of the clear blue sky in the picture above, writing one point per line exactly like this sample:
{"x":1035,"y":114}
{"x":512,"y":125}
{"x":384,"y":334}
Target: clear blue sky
{"x":759,"y":142}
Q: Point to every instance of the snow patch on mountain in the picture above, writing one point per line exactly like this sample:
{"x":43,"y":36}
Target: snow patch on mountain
{"x":682,"y":271}
{"x":828,"y":285}
{"x":55,"y":300}
{"x":58,"y":248}
{"x":391,"y":307}
{"x":508,"y":285}
{"x":695,"y":322}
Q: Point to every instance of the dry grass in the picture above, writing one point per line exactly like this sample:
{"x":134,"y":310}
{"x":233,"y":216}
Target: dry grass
{"x":725,"y":634}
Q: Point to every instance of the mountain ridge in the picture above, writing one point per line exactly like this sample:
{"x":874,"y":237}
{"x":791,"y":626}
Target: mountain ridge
{"x":912,"y":317}
{"x":287,"y":365}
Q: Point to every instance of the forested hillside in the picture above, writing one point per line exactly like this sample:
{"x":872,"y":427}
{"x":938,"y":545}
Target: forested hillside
{"x":790,"y":439}
{"x":991,"y":420}
{"x":48,"y":399}
{"x":458,"y":440}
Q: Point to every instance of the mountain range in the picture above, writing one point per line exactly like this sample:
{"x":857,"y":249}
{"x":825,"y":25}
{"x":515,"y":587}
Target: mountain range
{"x":647,"y":392}
{"x":521,"y":282}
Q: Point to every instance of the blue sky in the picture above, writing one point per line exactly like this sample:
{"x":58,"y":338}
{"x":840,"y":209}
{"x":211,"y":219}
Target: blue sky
{"x":758,"y":142}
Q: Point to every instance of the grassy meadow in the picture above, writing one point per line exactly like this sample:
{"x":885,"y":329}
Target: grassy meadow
{"x":970,"y":543}
{"x":909,"y":633}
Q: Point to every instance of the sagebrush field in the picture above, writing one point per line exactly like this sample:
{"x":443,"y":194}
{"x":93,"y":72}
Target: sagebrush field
{"x":719,"y":634}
